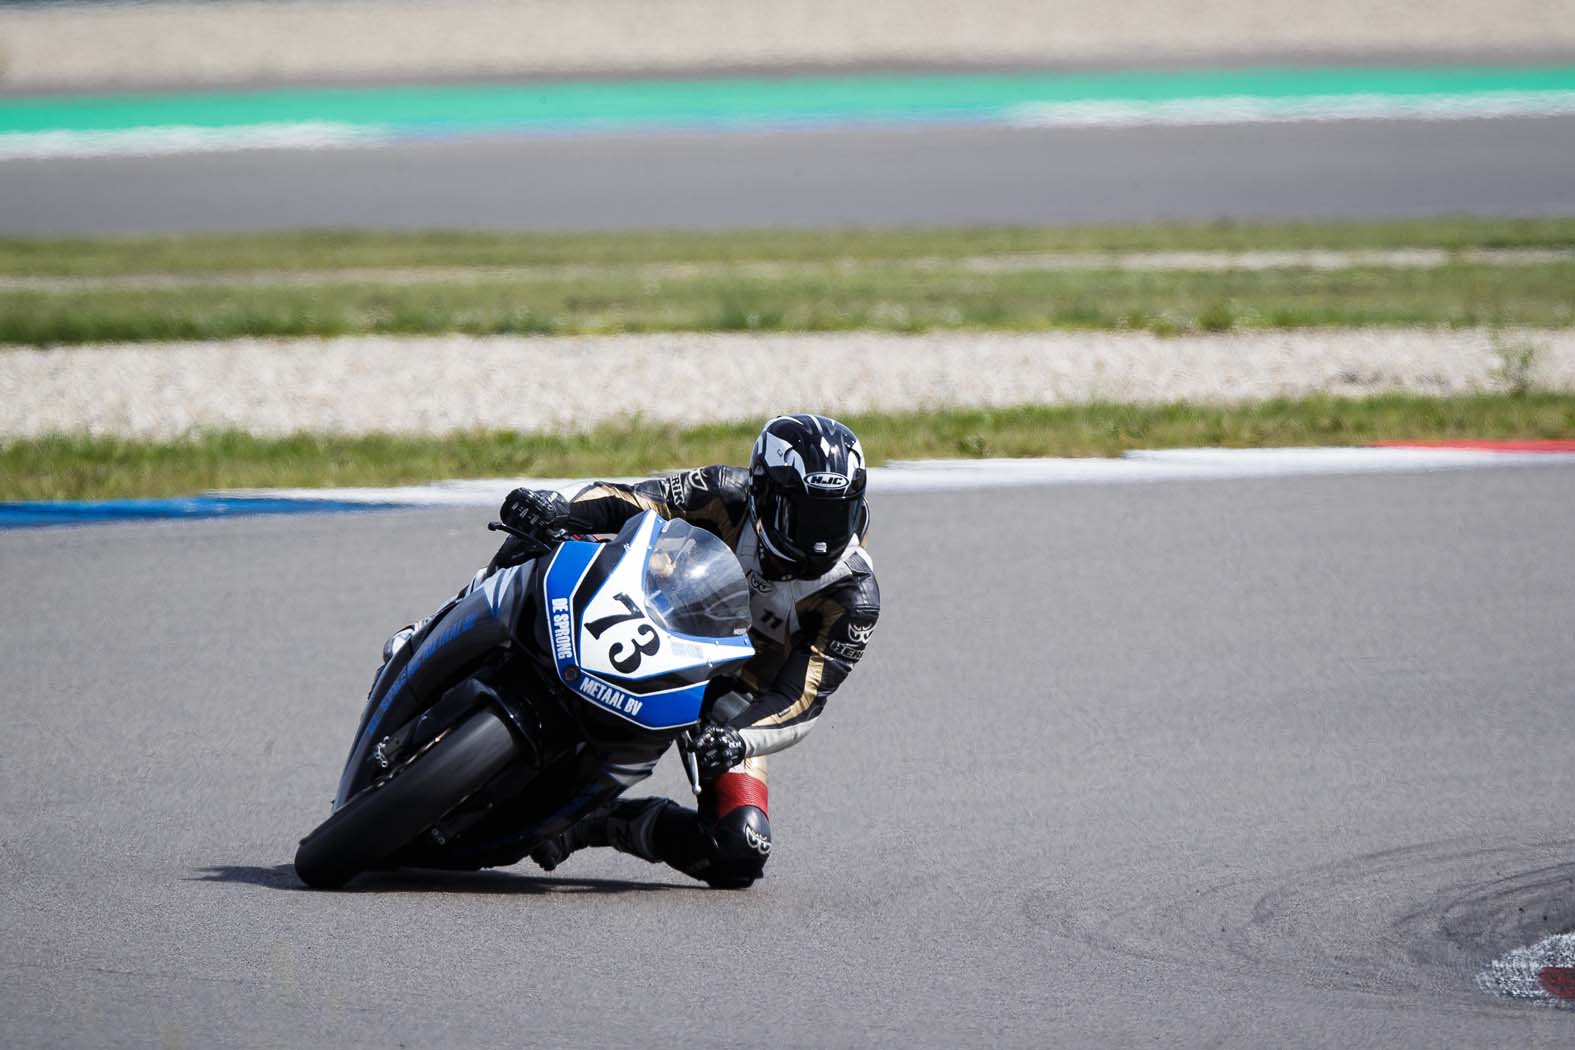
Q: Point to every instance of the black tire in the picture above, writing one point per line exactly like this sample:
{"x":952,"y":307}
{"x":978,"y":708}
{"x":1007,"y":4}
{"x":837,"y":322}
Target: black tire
{"x":380,"y":820}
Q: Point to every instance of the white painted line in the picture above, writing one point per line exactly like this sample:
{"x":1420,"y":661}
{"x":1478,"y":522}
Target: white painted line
{"x":162,"y":141}
{"x":1249,"y":109}
{"x":1265,"y":462}
{"x":156,"y":140}
{"x":950,"y":475}
{"x":480,"y":492}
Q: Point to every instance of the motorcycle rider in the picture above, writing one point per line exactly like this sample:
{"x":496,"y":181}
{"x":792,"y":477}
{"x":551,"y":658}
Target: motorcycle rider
{"x":797,"y":519}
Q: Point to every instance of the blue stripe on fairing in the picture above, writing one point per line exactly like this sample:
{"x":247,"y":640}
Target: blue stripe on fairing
{"x":64,"y":512}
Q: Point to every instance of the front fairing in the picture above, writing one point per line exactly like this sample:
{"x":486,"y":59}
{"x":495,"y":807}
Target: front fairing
{"x":608,"y":648}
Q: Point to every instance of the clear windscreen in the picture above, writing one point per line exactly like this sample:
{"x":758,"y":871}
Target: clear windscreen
{"x":694,"y":584}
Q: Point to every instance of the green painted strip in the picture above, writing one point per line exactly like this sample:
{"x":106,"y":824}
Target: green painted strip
{"x":742,"y":100}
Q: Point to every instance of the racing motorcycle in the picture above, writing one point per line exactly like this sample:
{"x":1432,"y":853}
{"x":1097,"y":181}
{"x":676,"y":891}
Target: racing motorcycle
{"x":538,"y":693}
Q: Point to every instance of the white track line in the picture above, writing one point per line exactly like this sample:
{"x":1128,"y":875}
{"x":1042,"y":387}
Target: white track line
{"x":178,"y":139}
{"x":1249,"y":109}
{"x":159,"y":140}
{"x":969,"y":474}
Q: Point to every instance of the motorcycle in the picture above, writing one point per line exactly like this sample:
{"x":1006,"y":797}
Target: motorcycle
{"x":535,"y":695}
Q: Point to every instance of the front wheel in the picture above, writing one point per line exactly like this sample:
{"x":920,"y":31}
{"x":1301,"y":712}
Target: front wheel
{"x":383,"y":818}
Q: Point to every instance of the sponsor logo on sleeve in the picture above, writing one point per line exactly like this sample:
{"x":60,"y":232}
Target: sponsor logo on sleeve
{"x":847,"y":650}
{"x":852,"y":650}
{"x":681,"y":488}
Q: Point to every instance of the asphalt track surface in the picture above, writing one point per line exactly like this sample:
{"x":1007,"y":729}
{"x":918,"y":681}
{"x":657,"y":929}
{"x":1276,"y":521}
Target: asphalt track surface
{"x":1185,"y":764}
{"x":935,"y":176}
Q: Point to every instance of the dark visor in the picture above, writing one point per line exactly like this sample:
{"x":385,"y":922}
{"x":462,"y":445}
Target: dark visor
{"x":804,"y":522}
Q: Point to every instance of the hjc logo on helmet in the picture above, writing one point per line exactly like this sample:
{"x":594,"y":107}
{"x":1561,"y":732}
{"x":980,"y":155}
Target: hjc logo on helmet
{"x":827,"y":480}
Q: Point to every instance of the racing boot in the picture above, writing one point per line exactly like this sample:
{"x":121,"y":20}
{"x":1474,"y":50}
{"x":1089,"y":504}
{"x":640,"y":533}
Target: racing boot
{"x":628,"y":827}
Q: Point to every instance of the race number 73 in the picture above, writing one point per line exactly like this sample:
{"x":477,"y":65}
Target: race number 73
{"x":626,"y":657}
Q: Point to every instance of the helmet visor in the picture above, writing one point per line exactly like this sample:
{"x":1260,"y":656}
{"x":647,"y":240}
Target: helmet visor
{"x":814,"y":528}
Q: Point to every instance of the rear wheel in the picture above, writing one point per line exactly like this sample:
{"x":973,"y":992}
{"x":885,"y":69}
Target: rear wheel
{"x":380,"y":820}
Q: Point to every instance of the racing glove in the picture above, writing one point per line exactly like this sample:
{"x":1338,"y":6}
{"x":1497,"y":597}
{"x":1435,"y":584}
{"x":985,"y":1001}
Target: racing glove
{"x":717,"y":749}
{"x":535,"y":511}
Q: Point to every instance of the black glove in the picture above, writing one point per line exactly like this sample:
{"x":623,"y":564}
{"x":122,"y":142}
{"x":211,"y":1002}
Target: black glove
{"x":535,"y":512}
{"x":717,"y":749}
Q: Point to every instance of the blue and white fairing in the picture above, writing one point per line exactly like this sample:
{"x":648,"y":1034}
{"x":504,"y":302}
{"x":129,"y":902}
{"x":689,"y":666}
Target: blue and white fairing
{"x":639,"y":626}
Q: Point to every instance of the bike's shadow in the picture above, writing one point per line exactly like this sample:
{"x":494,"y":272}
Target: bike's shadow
{"x":429,"y":880}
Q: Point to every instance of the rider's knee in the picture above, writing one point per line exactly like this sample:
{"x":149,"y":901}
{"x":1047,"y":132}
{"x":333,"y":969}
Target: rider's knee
{"x":743,"y":845}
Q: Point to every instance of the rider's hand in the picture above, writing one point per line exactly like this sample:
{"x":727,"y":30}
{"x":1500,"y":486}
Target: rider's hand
{"x":717,"y":749}
{"x":534,"y":511}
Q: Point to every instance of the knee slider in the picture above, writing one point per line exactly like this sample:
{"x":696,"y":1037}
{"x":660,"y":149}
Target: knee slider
{"x":743,"y":845}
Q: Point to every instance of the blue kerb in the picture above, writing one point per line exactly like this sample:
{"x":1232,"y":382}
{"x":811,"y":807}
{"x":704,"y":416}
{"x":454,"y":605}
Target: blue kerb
{"x":64,"y":512}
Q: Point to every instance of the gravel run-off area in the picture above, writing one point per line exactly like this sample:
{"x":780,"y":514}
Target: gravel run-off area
{"x":443,"y":384}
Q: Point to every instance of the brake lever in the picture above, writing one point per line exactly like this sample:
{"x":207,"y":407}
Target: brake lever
{"x":541,"y":545}
{"x":686,"y":755}
{"x":498,"y":526}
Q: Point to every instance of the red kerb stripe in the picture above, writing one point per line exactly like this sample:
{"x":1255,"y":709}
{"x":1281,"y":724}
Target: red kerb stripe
{"x":1557,"y":981}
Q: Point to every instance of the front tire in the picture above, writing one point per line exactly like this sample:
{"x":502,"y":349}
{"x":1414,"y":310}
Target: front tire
{"x":383,"y":818}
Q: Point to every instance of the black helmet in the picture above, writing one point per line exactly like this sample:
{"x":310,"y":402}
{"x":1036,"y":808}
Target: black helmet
{"x":806,"y":488}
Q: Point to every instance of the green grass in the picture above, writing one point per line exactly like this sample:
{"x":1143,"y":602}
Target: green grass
{"x":823,"y":299}
{"x":116,"y":256}
{"x":102,"y":468}
{"x":752,"y":281}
